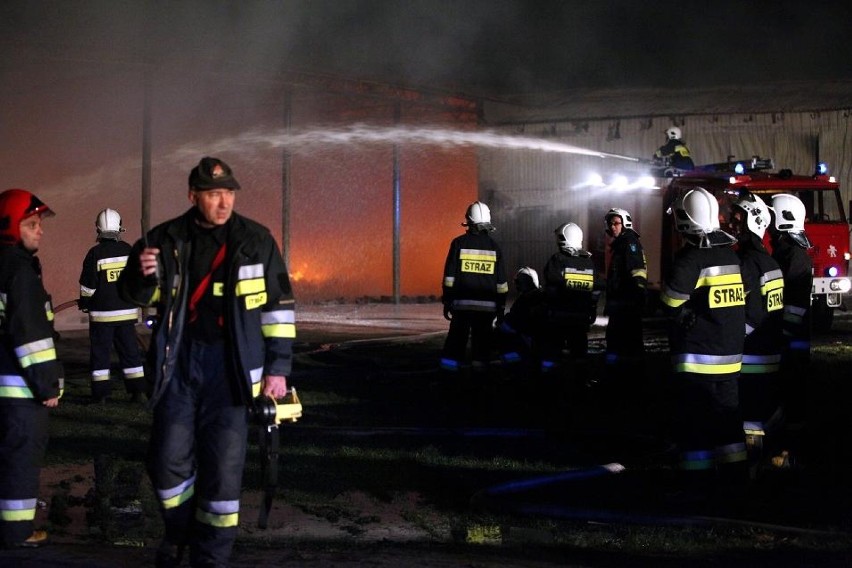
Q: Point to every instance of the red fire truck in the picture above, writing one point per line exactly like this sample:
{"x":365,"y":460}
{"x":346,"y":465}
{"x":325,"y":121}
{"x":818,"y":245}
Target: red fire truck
{"x":826,"y":225}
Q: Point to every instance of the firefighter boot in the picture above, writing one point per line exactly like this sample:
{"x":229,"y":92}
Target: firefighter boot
{"x":168,"y":555}
{"x":35,"y":540}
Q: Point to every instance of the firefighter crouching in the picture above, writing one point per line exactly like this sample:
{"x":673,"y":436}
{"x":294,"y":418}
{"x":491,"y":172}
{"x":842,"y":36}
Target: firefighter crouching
{"x":519,"y":333}
{"x":31,"y":377}
{"x":112,"y":321}
{"x":764,"y":339}
{"x":571,"y":296}
{"x":790,"y":247}
{"x":705,"y":297}
{"x":474,"y":291}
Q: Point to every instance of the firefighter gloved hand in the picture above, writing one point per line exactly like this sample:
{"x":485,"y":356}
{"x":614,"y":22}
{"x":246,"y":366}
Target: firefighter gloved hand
{"x":501,"y":317}
{"x":448,"y":313}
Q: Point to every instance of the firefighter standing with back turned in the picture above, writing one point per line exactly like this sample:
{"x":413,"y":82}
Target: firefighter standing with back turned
{"x":764,"y":340}
{"x":474,"y":291}
{"x":224,"y":336}
{"x":790,"y":247}
{"x":705,"y":297}
{"x":571,"y":298}
{"x":31,"y":377}
{"x":112,"y":321}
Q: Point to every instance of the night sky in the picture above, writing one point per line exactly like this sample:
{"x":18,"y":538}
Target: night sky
{"x":477,"y":46}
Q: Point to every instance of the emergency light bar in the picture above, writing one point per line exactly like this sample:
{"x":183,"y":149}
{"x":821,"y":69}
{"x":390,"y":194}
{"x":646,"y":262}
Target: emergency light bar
{"x":756,"y":163}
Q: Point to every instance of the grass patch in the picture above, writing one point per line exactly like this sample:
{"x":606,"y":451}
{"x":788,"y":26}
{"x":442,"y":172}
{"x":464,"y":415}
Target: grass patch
{"x":381,"y":422}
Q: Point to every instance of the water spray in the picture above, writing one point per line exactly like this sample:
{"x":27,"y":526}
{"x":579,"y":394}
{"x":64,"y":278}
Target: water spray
{"x":306,"y":140}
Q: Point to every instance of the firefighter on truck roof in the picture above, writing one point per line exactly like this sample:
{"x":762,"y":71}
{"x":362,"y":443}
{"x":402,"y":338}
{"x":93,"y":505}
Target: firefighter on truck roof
{"x":674,"y":152}
{"x":704,"y":294}
{"x":764,"y":288}
{"x":474,"y":291}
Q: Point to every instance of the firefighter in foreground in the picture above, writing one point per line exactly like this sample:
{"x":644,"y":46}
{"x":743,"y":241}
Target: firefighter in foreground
{"x":519,"y":333}
{"x":31,"y":376}
{"x":626,"y":280}
{"x":112,"y":321}
{"x":224,"y":337}
{"x":571,"y":298}
{"x":790,"y":247}
{"x":764,"y":340}
{"x":474,"y":291}
{"x":705,"y":296}
{"x":674,"y":152}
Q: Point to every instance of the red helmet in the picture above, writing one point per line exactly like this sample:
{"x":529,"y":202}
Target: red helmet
{"x":15,"y":206}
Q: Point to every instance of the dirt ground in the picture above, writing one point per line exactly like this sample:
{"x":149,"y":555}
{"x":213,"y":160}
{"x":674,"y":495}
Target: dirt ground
{"x":394,"y":536}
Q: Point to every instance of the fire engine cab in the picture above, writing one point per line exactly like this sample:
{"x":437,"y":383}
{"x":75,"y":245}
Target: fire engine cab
{"x":826,"y":225}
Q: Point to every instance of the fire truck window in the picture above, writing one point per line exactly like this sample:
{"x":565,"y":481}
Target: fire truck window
{"x":807,"y":198}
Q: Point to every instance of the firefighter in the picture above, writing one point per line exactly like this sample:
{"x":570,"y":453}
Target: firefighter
{"x":224,"y":336}
{"x":474,"y":291}
{"x":674,"y":152}
{"x":626,"y":280}
{"x":518,"y":334}
{"x":764,"y":289}
{"x":31,"y":377}
{"x":790,"y":247}
{"x":571,"y":294}
{"x":705,"y":298}
{"x":112,"y":321}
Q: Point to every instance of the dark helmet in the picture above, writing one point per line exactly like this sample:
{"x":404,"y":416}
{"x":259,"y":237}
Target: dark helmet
{"x":15,"y":206}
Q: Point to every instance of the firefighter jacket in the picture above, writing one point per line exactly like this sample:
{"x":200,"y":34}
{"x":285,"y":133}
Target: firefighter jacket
{"x":764,"y":311}
{"x":797,"y":268}
{"x":571,"y":289}
{"x":627,"y":275}
{"x":259,"y":313}
{"x":99,"y":284}
{"x":475,"y":274}
{"x":676,"y":154}
{"x":29,"y":368}
{"x":704,"y":292}
{"x":526,"y":314}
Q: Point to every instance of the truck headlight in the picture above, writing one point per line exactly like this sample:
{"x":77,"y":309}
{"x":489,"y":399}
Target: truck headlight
{"x":840,"y":285}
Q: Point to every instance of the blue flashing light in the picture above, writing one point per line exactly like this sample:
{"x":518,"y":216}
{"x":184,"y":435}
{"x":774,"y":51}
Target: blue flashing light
{"x":832,"y":271}
{"x":739,"y":168}
{"x":822,"y":168}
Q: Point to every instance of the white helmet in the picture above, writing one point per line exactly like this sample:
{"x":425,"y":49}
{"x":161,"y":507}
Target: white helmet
{"x":790,"y":216}
{"x":757,"y":213}
{"x":696,"y":214}
{"x":626,"y":220}
{"x":526,"y":274}
{"x":109,"y":221}
{"x":477,"y":213}
{"x":569,"y":237}
{"x":673,"y":133}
